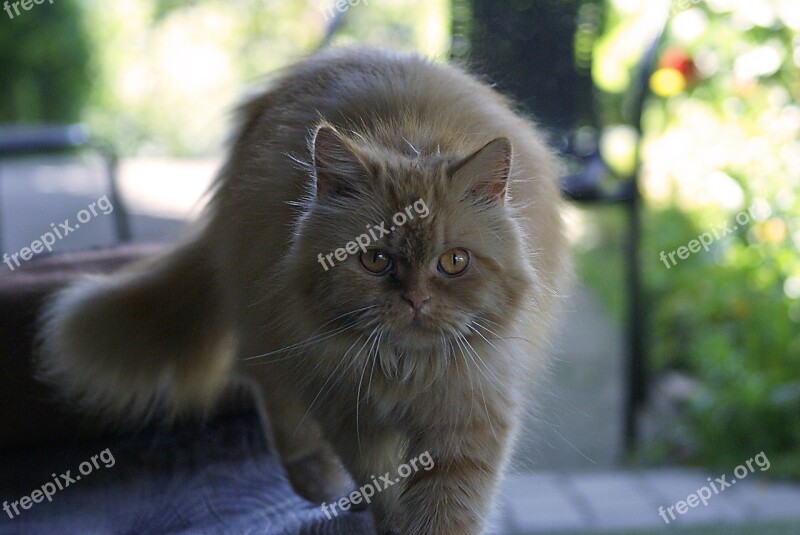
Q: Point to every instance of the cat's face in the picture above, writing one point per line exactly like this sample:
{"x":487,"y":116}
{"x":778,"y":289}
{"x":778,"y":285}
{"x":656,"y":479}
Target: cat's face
{"x":434,"y":251}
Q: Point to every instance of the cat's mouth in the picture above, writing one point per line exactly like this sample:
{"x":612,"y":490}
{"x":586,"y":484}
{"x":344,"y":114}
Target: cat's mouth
{"x":418,"y":329}
{"x":424,"y":331}
{"x":417,"y":321}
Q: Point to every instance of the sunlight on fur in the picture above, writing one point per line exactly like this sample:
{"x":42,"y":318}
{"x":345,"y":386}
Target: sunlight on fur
{"x":421,"y":344}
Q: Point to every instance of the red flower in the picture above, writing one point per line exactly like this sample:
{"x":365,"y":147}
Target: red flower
{"x":678,"y":59}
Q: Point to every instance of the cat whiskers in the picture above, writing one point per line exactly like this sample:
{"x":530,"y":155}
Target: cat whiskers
{"x":460,"y":340}
{"x":376,"y":346}
{"x":473,"y":327}
{"x":295,"y":348}
{"x":313,"y":339}
{"x":332,"y":374}
{"x":477,"y":323}
{"x":451,"y":350}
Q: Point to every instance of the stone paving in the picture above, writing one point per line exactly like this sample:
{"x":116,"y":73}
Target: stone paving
{"x":626,"y":500}
{"x":574,"y":421}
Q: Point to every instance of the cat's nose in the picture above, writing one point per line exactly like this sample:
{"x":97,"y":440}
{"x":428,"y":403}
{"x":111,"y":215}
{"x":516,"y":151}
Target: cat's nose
{"x":416,"y":299}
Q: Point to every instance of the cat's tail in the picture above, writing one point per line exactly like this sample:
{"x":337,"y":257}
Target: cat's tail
{"x":151,"y":340}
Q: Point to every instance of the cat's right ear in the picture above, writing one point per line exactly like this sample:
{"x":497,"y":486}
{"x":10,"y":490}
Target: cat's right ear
{"x":486,"y":171}
{"x":338,"y":169}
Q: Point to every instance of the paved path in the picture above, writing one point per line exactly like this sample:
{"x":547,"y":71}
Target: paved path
{"x":574,"y":421}
{"x":621,"y":500}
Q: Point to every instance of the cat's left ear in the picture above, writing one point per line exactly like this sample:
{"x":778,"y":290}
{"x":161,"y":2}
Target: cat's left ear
{"x":486,"y":171}
{"x":338,"y":168}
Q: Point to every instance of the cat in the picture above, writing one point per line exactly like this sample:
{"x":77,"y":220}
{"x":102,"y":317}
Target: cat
{"x":417,"y":342}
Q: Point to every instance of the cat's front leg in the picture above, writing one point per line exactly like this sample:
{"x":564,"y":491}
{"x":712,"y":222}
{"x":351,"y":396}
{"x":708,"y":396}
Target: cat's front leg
{"x":455,"y":495}
{"x":371,"y":453}
{"x":310,"y":462}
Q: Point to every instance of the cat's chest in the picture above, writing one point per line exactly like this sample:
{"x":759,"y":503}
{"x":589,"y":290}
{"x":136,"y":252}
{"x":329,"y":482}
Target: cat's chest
{"x":396,"y":400}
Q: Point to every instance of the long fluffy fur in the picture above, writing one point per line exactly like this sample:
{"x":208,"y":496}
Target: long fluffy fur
{"x":341,"y":367}
{"x":152,"y":339}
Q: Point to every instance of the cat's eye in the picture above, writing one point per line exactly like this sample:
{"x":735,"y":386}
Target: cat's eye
{"x":454,"y":262}
{"x":376,"y":261}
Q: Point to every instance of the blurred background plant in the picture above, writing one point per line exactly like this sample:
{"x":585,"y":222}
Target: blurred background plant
{"x":159,"y":77}
{"x":34,"y":87}
{"x":722,"y":133}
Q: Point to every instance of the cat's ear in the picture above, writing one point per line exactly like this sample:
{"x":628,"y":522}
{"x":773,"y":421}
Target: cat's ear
{"x":339,"y":170}
{"x":486,"y":171}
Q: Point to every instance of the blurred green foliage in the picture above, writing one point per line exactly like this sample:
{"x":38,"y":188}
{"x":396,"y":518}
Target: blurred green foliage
{"x":46,"y":64}
{"x":728,"y":318}
{"x":163,"y":76}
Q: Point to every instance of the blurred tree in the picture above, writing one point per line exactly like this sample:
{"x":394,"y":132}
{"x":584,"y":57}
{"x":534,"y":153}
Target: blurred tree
{"x":172,"y":70}
{"x":46,"y":61}
{"x":161,"y":76}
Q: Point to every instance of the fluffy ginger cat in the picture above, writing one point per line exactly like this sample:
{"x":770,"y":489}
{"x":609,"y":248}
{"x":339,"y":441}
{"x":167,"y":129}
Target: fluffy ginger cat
{"x":416,"y":342}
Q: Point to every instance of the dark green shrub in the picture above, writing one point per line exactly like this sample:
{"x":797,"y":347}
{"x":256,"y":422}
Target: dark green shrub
{"x":45,"y":57}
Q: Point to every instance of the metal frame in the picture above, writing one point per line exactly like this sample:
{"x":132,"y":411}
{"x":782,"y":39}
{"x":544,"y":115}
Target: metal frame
{"x":19,"y":141}
{"x":585,"y":187}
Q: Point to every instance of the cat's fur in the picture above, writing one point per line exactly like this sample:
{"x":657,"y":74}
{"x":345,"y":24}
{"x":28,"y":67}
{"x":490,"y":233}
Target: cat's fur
{"x":340,"y":141}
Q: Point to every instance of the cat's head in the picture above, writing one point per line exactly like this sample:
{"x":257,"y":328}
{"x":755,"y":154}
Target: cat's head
{"x":413,"y":247}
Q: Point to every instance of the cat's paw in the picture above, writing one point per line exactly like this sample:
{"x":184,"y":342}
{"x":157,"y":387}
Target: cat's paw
{"x":319,"y":478}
